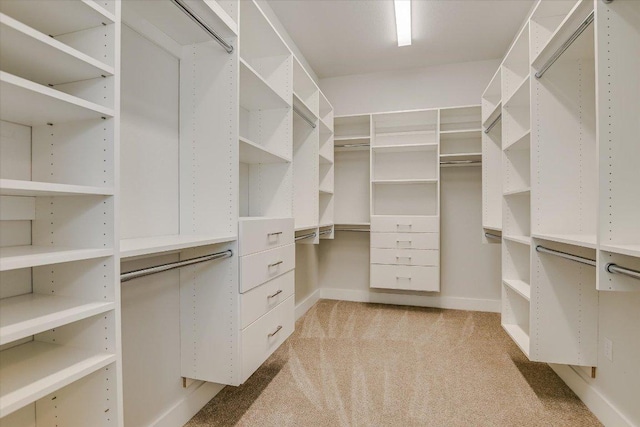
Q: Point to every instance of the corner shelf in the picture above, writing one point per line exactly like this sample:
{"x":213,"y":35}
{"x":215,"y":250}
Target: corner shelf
{"x":256,"y":93}
{"x":15,"y":257}
{"x":252,"y":153}
{"x":151,"y":245}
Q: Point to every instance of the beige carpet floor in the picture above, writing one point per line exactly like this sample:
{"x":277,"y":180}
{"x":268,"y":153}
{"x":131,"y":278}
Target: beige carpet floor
{"x":356,"y":364}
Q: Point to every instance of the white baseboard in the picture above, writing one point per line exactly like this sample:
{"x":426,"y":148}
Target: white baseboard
{"x":454,"y":303}
{"x":303,"y":306}
{"x":180,"y":413}
{"x":595,"y":401}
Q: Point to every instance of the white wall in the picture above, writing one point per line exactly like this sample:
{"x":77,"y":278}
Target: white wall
{"x":470,"y":270}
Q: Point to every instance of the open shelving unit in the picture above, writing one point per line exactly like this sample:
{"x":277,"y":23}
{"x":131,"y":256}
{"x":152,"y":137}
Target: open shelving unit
{"x":326,"y":167}
{"x":461,"y":136}
{"x":492,"y":158}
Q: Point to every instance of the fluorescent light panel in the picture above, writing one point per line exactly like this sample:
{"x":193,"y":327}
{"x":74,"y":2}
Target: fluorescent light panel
{"x":403,"y":21}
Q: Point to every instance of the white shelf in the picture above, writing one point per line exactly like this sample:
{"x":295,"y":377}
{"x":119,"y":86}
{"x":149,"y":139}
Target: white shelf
{"x":520,"y":337}
{"x":32,"y":104}
{"x":628,"y":250}
{"x":42,"y":59}
{"x":521,"y":96}
{"x":518,"y":192}
{"x":353,"y":138}
{"x":30,"y":371}
{"x":303,"y":107}
{"x":497,"y":110}
{"x":404,"y":181}
{"x":521,"y":287}
{"x":525,"y":240}
{"x":405,"y":147}
{"x":583,"y":240}
{"x":151,"y":245}
{"x":492,"y":228}
{"x":461,"y":131}
{"x":30,"y":314}
{"x":461,"y":157}
{"x":306,"y":227}
{"x":326,"y":191}
{"x":325,"y":128}
{"x":324,"y":159}
{"x":407,"y":133}
{"x":56,"y":18}
{"x":256,"y":93}
{"x":354,"y":224}
{"x":252,"y":153}
{"x":14,"y":257}
{"x":326,"y":224}
{"x":523,"y":142}
{"x":12,"y":187}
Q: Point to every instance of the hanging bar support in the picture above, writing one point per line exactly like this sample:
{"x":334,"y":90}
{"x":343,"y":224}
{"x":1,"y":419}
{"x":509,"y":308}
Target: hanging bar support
{"x":558,"y":53}
{"x":195,"y":18}
{"x":492,"y":236}
{"x":305,"y":236}
{"x":125,"y":277}
{"x":493,"y":123}
{"x":565,"y":255}
{"x":613,"y":268}
{"x":305,"y":118}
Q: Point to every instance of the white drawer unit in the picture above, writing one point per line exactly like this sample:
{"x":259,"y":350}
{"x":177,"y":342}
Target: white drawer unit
{"x":265,"y":335}
{"x":261,"y":300}
{"x":428,"y":257}
{"x":258,"y":268}
{"x":405,"y":224}
{"x":405,"y":240}
{"x":408,"y":278}
{"x":261,"y":234}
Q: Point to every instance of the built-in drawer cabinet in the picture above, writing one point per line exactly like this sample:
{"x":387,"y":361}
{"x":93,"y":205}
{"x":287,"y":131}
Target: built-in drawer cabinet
{"x":410,"y":278}
{"x":405,"y":224}
{"x":265,"y":335}
{"x":259,"y":268}
{"x":405,"y":240}
{"x":260,"y":300}
{"x":423,"y":257}
{"x":261,"y":234}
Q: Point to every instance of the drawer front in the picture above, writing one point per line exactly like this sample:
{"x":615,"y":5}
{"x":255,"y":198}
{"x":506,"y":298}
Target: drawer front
{"x":258,"y":301}
{"x":265,"y":335}
{"x":258,"y":235}
{"x":424,"y":257}
{"x":408,"y":278}
{"x":259,"y":268}
{"x":405,"y":240}
{"x":405,"y":224}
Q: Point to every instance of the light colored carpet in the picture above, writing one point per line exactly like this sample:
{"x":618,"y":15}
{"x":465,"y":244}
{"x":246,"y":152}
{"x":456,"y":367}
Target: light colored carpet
{"x":356,"y":364}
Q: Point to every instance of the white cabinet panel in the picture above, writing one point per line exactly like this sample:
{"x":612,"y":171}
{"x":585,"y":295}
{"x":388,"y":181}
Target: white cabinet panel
{"x":405,"y":224}
{"x":261,"y":234}
{"x":405,"y":240}
{"x":260,"y":300}
{"x":405,"y":257}
{"x":410,"y":278}
{"x":261,"y":267}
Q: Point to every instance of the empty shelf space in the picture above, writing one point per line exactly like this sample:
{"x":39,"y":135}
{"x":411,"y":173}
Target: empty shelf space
{"x":151,"y":245}
{"x":522,"y":142}
{"x":14,"y":257}
{"x":256,"y":93}
{"x":518,"y":192}
{"x":30,"y":314}
{"x":56,"y":18}
{"x":12,"y":187}
{"x":518,"y":335}
{"x":404,"y":181}
{"x":42,"y":59}
{"x":525,"y":240}
{"x":33,"y":104}
{"x":521,"y":287}
{"x":583,"y":240}
{"x":252,"y":153}
{"x":629,"y":250}
{"x":520,"y":97}
{"x":31,"y":371}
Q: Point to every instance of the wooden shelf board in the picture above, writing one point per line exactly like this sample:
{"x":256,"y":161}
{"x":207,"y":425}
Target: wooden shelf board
{"x":628,"y":250}
{"x":42,"y":59}
{"x":583,"y":240}
{"x":523,"y":142}
{"x":252,"y":153}
{"x":14,"y":257}
{"x":12,"y":187}
{"x":256,"y":93}
{"x":519,"y":336}
{"x":520,"y":287}
{"x":31,"y":371}
{"x":518,"y":192}
{"x":525,"y":240}
{"x":152,"y":245}
{"x":26,"y":315}
{"x":32,"y":104}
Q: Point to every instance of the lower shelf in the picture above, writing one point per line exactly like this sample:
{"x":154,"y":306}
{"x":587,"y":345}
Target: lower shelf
{"x":14,"y":257}
{"x":629,"y":250}
{"x":521,"y":287}
{"x":30,"y":371}
{"x":518,"y":335}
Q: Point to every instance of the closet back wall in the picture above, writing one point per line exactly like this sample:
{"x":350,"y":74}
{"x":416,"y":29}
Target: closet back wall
{"x":470,"y":276}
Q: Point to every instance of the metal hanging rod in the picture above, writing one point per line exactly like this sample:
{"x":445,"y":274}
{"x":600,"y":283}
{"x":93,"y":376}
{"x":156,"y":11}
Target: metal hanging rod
{"x":614,"y":268}
{"x":461,"y":162}
{"x":323,"y":232}
{"x":565,"y":255}
{"x":358,"y":230}
{"x":125,"y":277}
{"x":195,"y":18}
{"x":493,"y":123}
{"x":305,"y":118}
{"x":558,"y":53}
{"x":492,"y":236}
{"x":351,"y":145}
{"x":306,"y":236}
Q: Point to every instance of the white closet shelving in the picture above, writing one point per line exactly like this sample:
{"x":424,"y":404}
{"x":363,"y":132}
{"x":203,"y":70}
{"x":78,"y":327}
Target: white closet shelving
{"x":492,"y":158}
{"x":59,"y":300}
{"x":326,"y":168}
{"x":461,"y":136}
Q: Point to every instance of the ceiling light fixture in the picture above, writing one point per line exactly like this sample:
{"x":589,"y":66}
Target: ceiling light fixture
{"x":403,"y":21}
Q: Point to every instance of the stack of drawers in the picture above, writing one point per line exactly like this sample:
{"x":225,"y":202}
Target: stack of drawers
{"x":405,"y":253}
{"x":267,"y":279}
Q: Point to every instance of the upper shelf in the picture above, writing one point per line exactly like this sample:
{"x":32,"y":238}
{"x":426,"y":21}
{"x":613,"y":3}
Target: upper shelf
{"x":11,"y":187}
{"x":151,"y":245}
{"x":15,"y":257}
{"x":256,"y":93}
{"x":252,"y":153}
{"x":32,"y":104}
{"x":35,"y":56}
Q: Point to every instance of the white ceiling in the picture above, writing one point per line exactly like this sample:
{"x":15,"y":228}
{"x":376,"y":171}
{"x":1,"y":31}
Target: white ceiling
{"x":342,"y":37}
